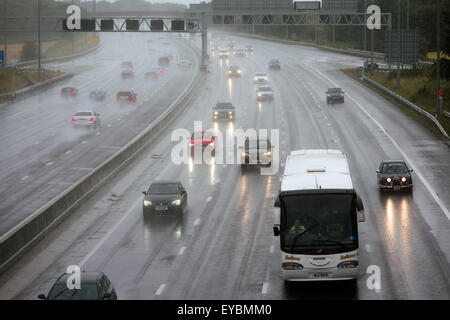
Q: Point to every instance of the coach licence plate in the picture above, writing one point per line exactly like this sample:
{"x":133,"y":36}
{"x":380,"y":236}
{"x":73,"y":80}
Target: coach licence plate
{"x":320,"y":275}
{"x":396,"y":188}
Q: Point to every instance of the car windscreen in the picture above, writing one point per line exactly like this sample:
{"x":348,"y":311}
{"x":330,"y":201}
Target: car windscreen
{"x":265,"y":89}
{"x":394,"y":168}
{"x":257,"y":143}
{"x":334,"y":90}
{"x":274,"y":61}
{"x":260,"y":74}
{"x":163,"y":188}
{"x":224,"y":106}
{"x":83,"y":114}
{"x":124,"y":94}
{"x":87,"y":291}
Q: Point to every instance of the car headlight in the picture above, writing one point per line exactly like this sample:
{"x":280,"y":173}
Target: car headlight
{"x":389,"y":180}
{"x":244,"y":154}
{"x":348,"y":264}
{"x":229,"y":112}
{"x":403,"y":179}
{"x":216,"y":112}
{"x":176,"y":202}
{"x":147,"y":203}
{"x":259,"y":94}
{"x":229,"y":72}
{"x":291,"y":266}
{"x":268,"y":153}
{"x":239,"y":71}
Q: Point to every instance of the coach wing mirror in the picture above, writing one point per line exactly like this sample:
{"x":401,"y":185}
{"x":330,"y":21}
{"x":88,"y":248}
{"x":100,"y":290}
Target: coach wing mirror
{"x":411,"y":170}
{"x":107,"y":295}
{"x":378,"y":171}
{"x":276,"y":231}
{"x":360,"y":209}
{"x":144,"y":193}
{"x":42,"y":297}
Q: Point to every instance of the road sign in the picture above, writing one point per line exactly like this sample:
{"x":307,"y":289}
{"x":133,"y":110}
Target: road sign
{"x":401,"y":46}
{"x":2,"y":59}
{"x":339,"y":5}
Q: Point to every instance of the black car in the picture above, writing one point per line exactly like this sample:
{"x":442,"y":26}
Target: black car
{"x":164,"y":61}
{"x":94,"y":286}
{"x":394,"y":175}
{"x":69,"y":92}
{"x":223,"y":111}
{"x":335,"y":95}
{"x":164,"y":197}
{"x":274,"y":64}
{"x":256,"y":152}
{"x":97,"y":95}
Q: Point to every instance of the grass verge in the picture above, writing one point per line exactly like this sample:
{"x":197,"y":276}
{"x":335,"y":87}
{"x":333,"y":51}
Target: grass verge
{"x":408,"y":86}
{"x":12,"y":79}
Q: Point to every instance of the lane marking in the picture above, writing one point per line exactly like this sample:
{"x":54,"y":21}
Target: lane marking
{"x":396,"y":145}
{"x":84,"y":142}
{"x":25,"y":178}
{"x":49,"y":164}
{"x":368,"y":248}
{"x":208,"y":199}
{"x":265,"y":287}
{"x":181,"y":251}
{"x":69,"y":152}
{"x":110,"y":232}
{"x":197,"y":221}
{"x":272,"y":248}
{"x":160,"y":289}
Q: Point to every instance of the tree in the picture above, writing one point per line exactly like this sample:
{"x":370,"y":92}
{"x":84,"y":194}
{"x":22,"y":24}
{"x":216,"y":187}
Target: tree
{"x":29,"y":51}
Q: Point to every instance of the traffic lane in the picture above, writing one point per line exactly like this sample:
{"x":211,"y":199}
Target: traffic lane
{"x":419,"y":149}
{"x":50,"y":176}
{"x":201,"y":191}
{"x":145,"y":177}
{"x":312,"y":103}
{"x":55,"y":112}
{"x":408,"y":222}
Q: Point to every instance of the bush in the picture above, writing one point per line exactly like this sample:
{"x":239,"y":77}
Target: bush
{"x":29,"y":51}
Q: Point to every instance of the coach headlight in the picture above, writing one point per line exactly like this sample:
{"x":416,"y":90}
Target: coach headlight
{"x":403,"y":179}
{"x":291,"y":266}
{"x":348,"y":264}
{"x":389,"y":180}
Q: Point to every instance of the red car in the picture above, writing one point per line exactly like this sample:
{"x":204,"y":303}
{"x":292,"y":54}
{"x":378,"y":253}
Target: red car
{"x":201,"y":140}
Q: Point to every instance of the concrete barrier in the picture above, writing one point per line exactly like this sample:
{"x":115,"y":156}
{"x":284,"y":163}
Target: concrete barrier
{"x":16,"y":241}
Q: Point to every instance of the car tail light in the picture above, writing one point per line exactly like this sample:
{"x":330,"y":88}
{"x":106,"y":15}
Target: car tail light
{"x":73,"y":120}
{"x":91,"y":120}
{"x":117,"y":97}
{"x":103,"y":97}
{"x":73,"y":93}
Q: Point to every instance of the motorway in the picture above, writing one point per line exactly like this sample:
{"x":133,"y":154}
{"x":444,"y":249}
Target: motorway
{"x":223,"y":246}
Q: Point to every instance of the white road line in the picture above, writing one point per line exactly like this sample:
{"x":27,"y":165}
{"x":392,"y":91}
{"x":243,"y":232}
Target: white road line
{"x":368,"y":248}
{"x":25,"y":178}
{"x":69,"y":152}
{"x":272,"y":248}
{"x":181,"y":251}
{"x":49,"y":163}
{"x":110,"y":232}
{"x":160,"y":289}
{"x":396,"y":145}
{"x":208,"y":199}
{"x":265,"y":287}
{"x":197,"y":221}
{"x":84,"y":142}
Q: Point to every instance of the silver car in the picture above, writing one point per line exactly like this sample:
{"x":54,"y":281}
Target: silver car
{"x":89,"y":119}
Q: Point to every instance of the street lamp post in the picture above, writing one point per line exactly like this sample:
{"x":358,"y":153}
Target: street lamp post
{"x":438,"y":62}
{"x":399,"y":47}
{"x":39,"y":39}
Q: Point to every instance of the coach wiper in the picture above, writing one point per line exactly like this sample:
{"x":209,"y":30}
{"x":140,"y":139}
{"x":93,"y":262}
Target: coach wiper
{"x":333,"y":241}
{"x":300,"y":234}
